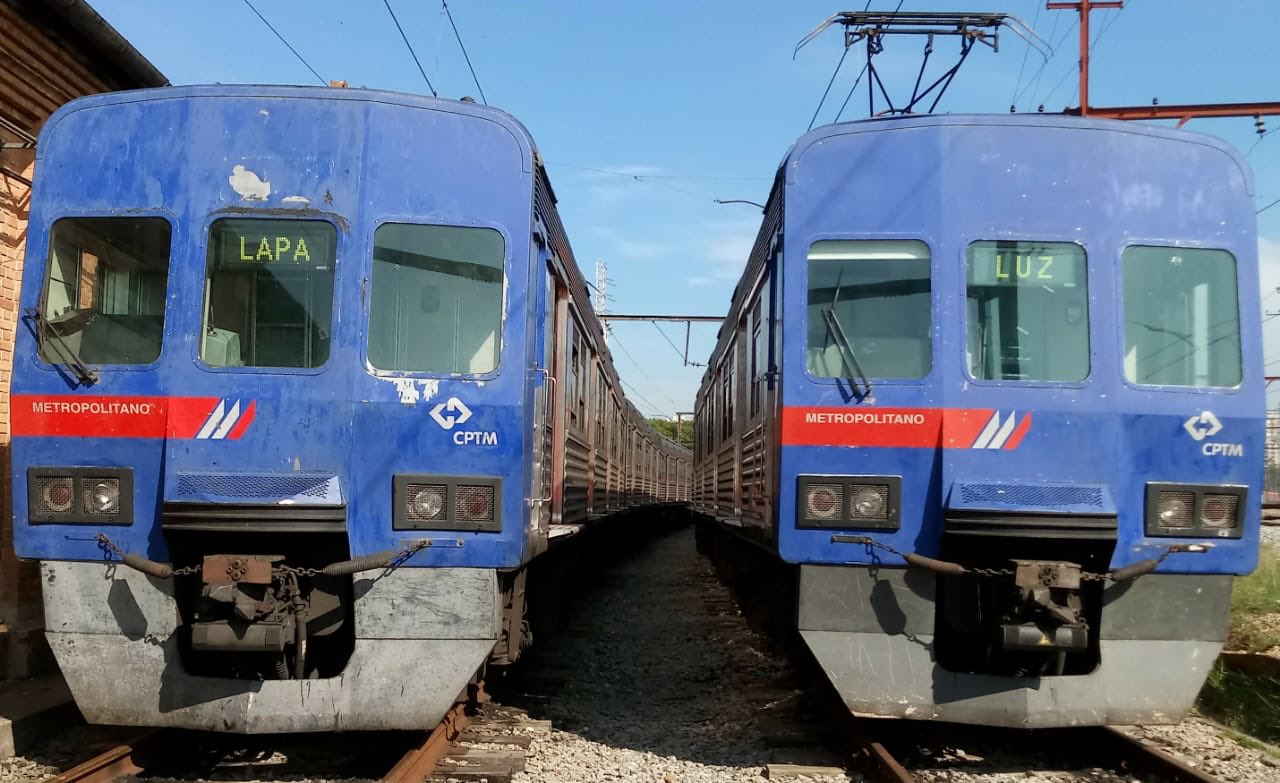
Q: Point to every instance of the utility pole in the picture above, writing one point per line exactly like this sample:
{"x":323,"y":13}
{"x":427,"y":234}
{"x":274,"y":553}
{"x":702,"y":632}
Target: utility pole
{"x":1180,"y":112}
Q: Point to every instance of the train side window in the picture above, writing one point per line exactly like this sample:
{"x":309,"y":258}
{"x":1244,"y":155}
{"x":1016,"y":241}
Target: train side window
{"x":268,"y":296}
{"x":759,"y":358}
{"x":436,"y":304}
{"x":879,"y":294}
{"x":104,"y":289}
{"x":1028,"y":311}
{"x":1181,"y":317}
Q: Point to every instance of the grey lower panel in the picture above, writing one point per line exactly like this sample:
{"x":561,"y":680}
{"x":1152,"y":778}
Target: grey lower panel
{"x":420,"y":636}
{"x":1139,"y":681}
{"x":388,"y":684}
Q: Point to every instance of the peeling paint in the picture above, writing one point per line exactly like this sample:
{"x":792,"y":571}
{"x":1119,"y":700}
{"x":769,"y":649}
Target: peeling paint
{"x":409,"y":394}
{"x":303,"y":200}
{"x":248,"y":184}
{"x":429,"y":389}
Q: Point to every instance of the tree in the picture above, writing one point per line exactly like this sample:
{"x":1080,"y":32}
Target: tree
{"x":681,"y":433}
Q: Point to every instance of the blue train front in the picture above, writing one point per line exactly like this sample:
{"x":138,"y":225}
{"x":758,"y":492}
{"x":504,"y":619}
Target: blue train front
{"x":276,"y":337}
{"x":1022,"y":354}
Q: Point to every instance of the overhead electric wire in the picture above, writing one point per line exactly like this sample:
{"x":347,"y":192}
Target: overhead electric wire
{"x":683,"y":356}
{"x":463,"y":47}
{"x":827,"y":91}
{"x":1269,"y":206}
{"x":412,"y":53}
{"x":1261,"y":136}
{"x":1013,"y":97}
{"x":288,"y":45}
{"x":1033,"y":84}
{"x":627,"y":353}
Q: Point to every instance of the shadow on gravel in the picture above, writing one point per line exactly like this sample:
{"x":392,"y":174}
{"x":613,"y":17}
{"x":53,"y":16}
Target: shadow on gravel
{"x":653,"y":655}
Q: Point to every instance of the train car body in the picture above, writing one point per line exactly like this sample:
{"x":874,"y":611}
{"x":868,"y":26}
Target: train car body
{"x":1025,"y":352}
{"x":269,"y":330}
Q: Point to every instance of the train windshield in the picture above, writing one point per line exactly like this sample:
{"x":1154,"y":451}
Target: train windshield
{"x":268,"y":295}
{"x":436,"y":299}
{"x":1028,"y":311}
{"x":1181,"y":317}
{"x":104,"y":290}
{"x":878,"y":293}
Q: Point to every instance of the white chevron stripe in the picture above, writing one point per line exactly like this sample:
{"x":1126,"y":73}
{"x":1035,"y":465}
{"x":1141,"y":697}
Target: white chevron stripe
{"x":988,"y":431}
{"x":211,"y":423}
{"x":230,"y":421}
{"x":1004,"y":433}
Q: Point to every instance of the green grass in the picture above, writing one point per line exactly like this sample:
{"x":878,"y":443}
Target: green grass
{"x":1252,"y":598}
{"x":1242,"y":702}
{"x":1247,"y":704}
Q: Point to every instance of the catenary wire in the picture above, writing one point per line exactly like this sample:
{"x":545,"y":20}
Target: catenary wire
{"x":288,"y":45}
{"x":412,"y":53}
{"x":1013,"y":97}
{"x":625,"y":352}
{"x":463,"y":47}
{"x":675,"y":347}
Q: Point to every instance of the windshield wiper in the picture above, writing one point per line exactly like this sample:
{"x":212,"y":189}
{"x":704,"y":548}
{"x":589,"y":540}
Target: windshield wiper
{"x":70,"y":359}
{"x":848,"y":357}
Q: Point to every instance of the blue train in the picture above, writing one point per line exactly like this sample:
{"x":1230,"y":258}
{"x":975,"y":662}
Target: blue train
{"x":988,"y":407}
{"x":319,"y":367}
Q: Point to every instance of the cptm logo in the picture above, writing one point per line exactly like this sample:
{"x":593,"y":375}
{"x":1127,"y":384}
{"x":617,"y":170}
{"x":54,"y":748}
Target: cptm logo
{"x":451,"y":413}
{"x":1206,"y":425}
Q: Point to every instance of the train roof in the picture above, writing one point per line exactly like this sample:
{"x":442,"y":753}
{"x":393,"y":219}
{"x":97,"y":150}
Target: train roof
{"x":1012,"y":120}
{"x":360,"y":95}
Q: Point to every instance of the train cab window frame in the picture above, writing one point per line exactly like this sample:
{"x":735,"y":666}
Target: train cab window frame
{"x":269,"y":294}
{"x":443,"y":279}
{"x":1027,"y":317}
{"x":880,"y":320}
{"x":105,"y":289}
{"x":1181,"y":310}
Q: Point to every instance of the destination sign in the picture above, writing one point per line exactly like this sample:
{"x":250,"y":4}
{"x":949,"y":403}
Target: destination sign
{"x":243,"y":242}
{"x":1025,"y":263}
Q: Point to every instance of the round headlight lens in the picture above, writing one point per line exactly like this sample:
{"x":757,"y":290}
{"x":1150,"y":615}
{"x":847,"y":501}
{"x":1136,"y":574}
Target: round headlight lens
{"x":868,"y":503}
{"x":428,"y":503}
{"x":105,"y":497}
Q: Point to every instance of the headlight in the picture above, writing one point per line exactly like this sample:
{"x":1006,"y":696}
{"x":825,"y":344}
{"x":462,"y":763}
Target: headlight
{"x":1220,"y":511}
{"x":426,"y":501}
{"x":847,"y":502}
{"x":870,"y":502}
{"x":1174,"y":509}
{"x":1191,"y":510}
{"x":54,"y":493}
{"x":100,"y":496}
{"x":446,"y":503}
{"x":823,"y":501}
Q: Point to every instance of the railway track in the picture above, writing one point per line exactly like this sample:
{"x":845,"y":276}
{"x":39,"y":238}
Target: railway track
{"x":473,"y":742}
{"x":892,"y":752}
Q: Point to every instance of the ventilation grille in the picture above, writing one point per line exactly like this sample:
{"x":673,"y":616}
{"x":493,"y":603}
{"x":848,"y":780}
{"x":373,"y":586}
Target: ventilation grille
{"x":1022,"y":495}
{"x":247,"y":487}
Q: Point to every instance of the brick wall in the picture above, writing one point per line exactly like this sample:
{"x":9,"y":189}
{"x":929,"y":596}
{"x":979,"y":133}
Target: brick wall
{"x":37,"y":75}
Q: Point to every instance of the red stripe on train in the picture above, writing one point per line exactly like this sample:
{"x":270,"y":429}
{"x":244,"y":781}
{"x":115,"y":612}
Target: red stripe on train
{"x":79,"y":416}
{"x":947,"y":428}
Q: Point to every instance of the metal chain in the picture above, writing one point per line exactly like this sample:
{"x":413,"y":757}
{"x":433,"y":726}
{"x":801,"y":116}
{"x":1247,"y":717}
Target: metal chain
{"x":1085,"y":576}
{"x":396,"y":561}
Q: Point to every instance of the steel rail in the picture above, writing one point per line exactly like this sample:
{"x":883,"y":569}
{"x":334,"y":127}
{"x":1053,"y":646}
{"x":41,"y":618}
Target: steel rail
{"x":125,"y":759}
{"x":1151,"y":759}
{"x":419,"y":762}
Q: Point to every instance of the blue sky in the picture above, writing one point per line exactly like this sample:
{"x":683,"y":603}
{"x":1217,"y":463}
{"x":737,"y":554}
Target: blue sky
{"x":647,"y":112}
